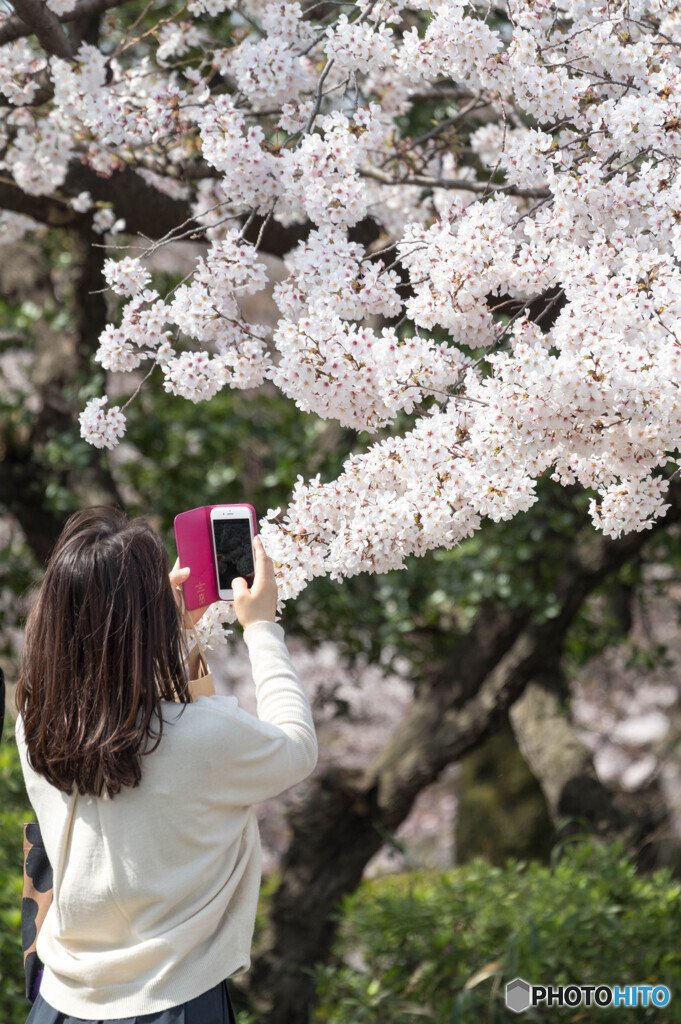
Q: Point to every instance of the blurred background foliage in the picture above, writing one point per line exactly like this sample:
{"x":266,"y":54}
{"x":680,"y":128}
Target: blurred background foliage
{"x":14,"y":810}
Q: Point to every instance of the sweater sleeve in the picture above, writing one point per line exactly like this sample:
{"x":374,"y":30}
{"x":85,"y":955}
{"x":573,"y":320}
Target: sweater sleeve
{"x":279,"y":747}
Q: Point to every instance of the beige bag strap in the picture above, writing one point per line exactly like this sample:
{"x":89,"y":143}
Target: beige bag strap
{"x":200,"y":677}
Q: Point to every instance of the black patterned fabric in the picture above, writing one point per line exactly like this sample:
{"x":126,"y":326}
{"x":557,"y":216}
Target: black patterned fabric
{"x":36,"y":901}
{"x":212,"y":1007}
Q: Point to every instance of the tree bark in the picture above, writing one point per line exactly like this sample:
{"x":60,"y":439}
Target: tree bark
{"x":15,"y":27}
{"x":148,"y":212}
{"x":576,"y":798}
{"x":560,"y":761}
{"x":45,"y":25}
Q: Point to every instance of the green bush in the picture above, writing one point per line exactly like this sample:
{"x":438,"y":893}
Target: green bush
{"x":441,"y":947}
{"x":15,"y":809}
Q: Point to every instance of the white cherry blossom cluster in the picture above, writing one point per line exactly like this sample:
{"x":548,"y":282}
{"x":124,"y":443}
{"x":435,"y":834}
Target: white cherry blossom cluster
{"x":232,"y":264}
{"x":355,"y":375}
{"x":453,"y":267}
{"x":105,"y":220}
{"x":294,"y":117}
{"x":176,"y":39}
{"x":321,"y":179}
{"x":631,"y":504}
{"x":210,"y":7}
{"x":115,"y":353}
{"x":38,"y":156}
{"x":404,"y":496}
{"x":235,"y":148}
{"x":78,"y":83}
{"x":127,"y":276}
{"x":269,"y":71}
{"x":61,"y":6}
{"x":14,"y":226}
{"x":546,"y":89}
{"x":100,"y":426}
{"x":332,"y":275}
{"x":205,"y":311}
{"x":516,"y":263}
{"x":82,"y":202}
{"x":194,"y":375}
{"x":140,"y":336}
{"x":286,"y":22}
{"x":18,"y":72}
{"x":358,"y":46}
{"x":210,"y":628}
{"x":454,"y":45}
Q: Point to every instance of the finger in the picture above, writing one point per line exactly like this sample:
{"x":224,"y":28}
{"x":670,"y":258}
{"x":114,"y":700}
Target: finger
{"x":239,"y":586}
{"x":178,"y":576}
{"x":261,"y":555}
{"x":260,"y":561}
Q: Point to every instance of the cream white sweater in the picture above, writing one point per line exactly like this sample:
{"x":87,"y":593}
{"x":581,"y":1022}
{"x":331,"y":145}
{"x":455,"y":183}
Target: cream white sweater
{"x":155,"y":890}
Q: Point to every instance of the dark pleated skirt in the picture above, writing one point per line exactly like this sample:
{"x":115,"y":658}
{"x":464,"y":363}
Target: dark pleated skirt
{"x":213,"y":1007}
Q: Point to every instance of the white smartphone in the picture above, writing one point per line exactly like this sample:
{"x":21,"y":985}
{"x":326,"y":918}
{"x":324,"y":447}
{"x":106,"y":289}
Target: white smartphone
{"x":233,"y":528}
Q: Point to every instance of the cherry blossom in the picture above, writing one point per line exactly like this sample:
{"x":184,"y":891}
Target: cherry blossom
{"x":100,"y":426}
{"x":18,"y":72}
{"x":127,"y":276}
{"x":14,"y":226}
{"x":358,"y":45}
{"x":61,"y":6}
{"x":82,"y":202}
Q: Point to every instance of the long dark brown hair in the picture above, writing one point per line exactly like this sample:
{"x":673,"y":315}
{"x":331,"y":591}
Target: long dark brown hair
{"x":103,"y":648}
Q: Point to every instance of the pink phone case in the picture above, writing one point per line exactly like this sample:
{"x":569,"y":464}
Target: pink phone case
{"x":194,"y":538}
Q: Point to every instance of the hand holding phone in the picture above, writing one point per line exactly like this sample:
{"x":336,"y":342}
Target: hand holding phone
{"x":259,"y":603}
{"x":216,"y":543}
{"x":178,"y":577}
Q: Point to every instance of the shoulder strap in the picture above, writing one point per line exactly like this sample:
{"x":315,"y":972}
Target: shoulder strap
{"x":200,"y":677}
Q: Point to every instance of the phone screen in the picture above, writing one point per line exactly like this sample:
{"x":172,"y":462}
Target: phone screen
{"x":234,"y":551}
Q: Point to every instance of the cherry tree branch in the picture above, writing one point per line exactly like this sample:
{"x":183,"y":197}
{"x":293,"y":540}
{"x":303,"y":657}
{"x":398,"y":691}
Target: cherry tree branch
{"x":148,"y":212}
{"x":46,"y":26}
{"x":472,"y":688}
{"x":479,"y":187}
{"x":45,"y":209}
{"x":20,"y":24}
{"x":448,"y":122}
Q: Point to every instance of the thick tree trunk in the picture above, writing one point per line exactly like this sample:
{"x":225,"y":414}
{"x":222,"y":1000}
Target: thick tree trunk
{"x":500,"y":807}
{"x":347,"y":817}
{"x":561,"y":762}
{"x":576,"y":799}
